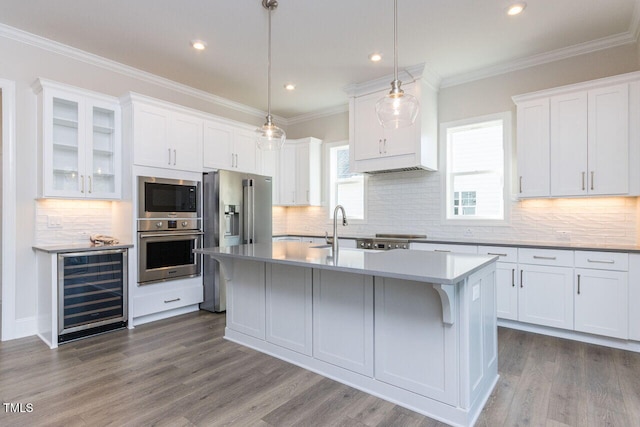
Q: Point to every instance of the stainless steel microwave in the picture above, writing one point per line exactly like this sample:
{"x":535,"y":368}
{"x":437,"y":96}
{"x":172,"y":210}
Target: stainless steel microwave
{"x":168,"y":198}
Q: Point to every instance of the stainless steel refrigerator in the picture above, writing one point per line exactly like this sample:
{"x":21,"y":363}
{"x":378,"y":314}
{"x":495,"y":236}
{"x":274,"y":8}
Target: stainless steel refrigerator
{"x":236,"y":210}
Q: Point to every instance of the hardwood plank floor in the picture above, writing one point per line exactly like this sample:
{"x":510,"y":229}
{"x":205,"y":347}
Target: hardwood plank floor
{"x":181,"y":372}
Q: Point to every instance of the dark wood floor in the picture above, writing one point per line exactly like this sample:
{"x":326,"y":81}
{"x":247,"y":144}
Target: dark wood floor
{"x":180,"y":372}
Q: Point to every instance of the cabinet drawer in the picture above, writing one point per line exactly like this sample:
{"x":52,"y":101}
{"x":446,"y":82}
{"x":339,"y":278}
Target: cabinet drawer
{"x":506,"y":254}
{"x":444,"y":247}
{"x":602,"y":260}
{"x":167,"y":300}
{"x":545,"y":257}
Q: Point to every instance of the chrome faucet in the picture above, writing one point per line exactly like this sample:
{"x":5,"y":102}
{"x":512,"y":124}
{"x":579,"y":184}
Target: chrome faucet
{"x":334,"y":239}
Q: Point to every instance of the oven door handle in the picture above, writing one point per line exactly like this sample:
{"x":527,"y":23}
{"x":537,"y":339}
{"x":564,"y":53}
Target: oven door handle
{"x":198,"y":233}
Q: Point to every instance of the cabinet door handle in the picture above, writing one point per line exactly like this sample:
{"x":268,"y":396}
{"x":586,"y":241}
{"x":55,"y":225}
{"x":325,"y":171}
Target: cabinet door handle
{"x":90,"y":183}
{"x":551,"y":258}
{"x":521,"y":282}
{"x":236,"y":159}
{"x":583,"y":173}
{"x":232,"y":159}
{"x":82,"y":183}
{"x":379,"y":146}
{"x":521,"y":184}
{"x":513,"y":277}
{"x":601,"y":261}
{"x":440,"y":250}
{"x":578,"y":284}
{"x":169,"y":151}
{"x":308,"y":194}
{"x":167,"y":301}
{"x":175,"y":156}
{"x":496,"y":254}
{"x":384,"y":146}
{"x":592,"y":173}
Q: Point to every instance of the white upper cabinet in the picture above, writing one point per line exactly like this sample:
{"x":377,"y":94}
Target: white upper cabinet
{"x":299,"y":177}
{"x":594,"y":145}
{"x":166,"y":138}
{"x":230,"y":147}
{"x":375,"y":149}
{"x":533,"y":148}
{"x":79,"y":142}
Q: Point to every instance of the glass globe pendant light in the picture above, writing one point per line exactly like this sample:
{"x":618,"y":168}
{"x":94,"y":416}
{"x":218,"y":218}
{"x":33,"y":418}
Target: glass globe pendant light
{"x":269,"y":136}
{"x":397,"y":109}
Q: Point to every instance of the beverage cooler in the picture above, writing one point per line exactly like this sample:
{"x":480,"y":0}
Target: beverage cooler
{"x":92,"y":292}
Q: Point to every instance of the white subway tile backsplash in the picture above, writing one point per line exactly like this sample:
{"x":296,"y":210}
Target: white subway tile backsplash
{"x":410,"y":202}
{"x":79,"y":219}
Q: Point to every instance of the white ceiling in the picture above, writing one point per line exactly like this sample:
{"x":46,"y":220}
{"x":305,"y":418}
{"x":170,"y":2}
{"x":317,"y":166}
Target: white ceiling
{"x":322,"y":46}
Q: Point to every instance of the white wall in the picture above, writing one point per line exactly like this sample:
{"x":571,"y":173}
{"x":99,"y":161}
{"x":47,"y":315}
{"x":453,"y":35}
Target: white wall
{"x":410,"y":202}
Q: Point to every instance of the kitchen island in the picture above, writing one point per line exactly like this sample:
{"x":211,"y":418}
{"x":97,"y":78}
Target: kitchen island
{"x":415,"y":328}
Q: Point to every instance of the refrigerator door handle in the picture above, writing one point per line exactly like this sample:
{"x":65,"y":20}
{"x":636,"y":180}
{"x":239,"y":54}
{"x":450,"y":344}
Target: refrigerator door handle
{"x":249,"y":210}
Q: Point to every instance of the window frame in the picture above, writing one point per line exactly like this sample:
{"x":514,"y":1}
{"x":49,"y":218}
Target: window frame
{"x":447,"y":178}
{"x":328,"y":183}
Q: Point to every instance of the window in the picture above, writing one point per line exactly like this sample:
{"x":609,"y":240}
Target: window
{"x":477,"y":151}
{"x":345,"y":188}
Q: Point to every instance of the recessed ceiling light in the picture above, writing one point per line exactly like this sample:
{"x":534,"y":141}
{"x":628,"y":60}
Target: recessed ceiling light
{"x":516,"y":8}
{"x":375,"y":57}
{"x":289,"y":86}
{"x":198,"y":44}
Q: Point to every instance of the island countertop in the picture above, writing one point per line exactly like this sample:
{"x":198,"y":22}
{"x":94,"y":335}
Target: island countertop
{"x":422,"y":266}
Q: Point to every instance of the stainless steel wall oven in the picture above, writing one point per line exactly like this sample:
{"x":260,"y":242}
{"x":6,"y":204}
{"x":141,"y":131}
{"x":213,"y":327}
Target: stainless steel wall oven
{"x":169,"y":229}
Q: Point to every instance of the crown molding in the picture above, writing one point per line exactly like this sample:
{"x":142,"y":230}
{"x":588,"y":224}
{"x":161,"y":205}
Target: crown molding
{"x":406,"y":75}
{"x":544,"y":58}
{"x":331,"y":111}
{"x":108,"y":64}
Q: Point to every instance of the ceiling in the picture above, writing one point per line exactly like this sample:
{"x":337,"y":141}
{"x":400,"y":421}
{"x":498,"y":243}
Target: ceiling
{"x":321,"y":46}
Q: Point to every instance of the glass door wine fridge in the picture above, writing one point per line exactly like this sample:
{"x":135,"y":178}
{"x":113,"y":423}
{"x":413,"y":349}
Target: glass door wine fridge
{"x":92,"y":292}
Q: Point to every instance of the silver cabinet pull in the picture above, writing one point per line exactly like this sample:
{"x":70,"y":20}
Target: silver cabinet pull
{"x":169,"y":151}
{"x":231,"y":159}
{"x":513,"y":277}
{"x":521,"y":282}
{"x":380,"y":146}
{"x":90,"y":184}
{"x":578,"y":284}
{"x":384,"y":146}
{"x":496,"y":254}
{"x":601,"y":261}
{"x":175,"y":156}
{"x":583,"y":174}
{"x":236,"y":159}
{"x":167,"y":301}
{"x":82,"y":183}
{"x":551,"y":258}
{"x":592,"y":172}
{"x":440,"y":250}
{"x":521,"y":184}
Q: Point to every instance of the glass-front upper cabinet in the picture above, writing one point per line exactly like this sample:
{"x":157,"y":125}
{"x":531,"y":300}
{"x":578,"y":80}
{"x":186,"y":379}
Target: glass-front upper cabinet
{"x":79,"y":142}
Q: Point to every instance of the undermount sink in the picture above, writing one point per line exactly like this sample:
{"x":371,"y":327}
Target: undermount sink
{"x":323,"y":246}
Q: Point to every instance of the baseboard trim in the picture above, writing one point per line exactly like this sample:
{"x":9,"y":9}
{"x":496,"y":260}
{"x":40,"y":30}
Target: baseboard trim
{"x":137,"y":321}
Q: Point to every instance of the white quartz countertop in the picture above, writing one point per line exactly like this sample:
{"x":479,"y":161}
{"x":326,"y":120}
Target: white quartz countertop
{"x":423,"y":266}
{"x":79,"y":247}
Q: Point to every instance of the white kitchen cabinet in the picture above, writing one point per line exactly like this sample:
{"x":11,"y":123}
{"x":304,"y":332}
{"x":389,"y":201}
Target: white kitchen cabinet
{"x":506,"y":279}
{"x":289,"y":307}
{"x":533,"y":148}
{"x":545,"y":295}
{"x":246,"y":299}
{"x":373,"y":148}
{"x":593,"y":144}
{"x":79,"y":139}
{"x":164,"y":137}
{"x":229,"y":147}
{"x":299,"y":177}
{"x":634,"y":297}
{"x":444,"y":247}
{"x":602,"y":293}
{"x":343,"y":320}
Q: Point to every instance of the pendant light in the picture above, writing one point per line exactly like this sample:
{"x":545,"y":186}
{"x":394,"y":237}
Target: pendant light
{"x":269,"y":136}
{"x":397,"y":109}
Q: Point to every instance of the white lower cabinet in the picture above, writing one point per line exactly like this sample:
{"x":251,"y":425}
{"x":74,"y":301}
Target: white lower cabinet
{"x":167,"y":299}
{"x":634,"y":297}
{"x":506,"y":279}
{"x":444,"y":247}
{"x":246,"y":299}
{"x":546,"y":295}
{"x":343,"y":320}
{"x":288,"y":307}
{"x":411,"y":340}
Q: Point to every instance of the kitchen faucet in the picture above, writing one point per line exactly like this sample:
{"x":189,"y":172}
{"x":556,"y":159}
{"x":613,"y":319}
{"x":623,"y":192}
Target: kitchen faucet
{"x":334,"y":239}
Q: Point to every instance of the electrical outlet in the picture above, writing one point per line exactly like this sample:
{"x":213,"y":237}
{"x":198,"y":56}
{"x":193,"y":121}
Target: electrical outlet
{"x":54,"y":221}
{"x":468,"y":233}
{"x":564,"y":236}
